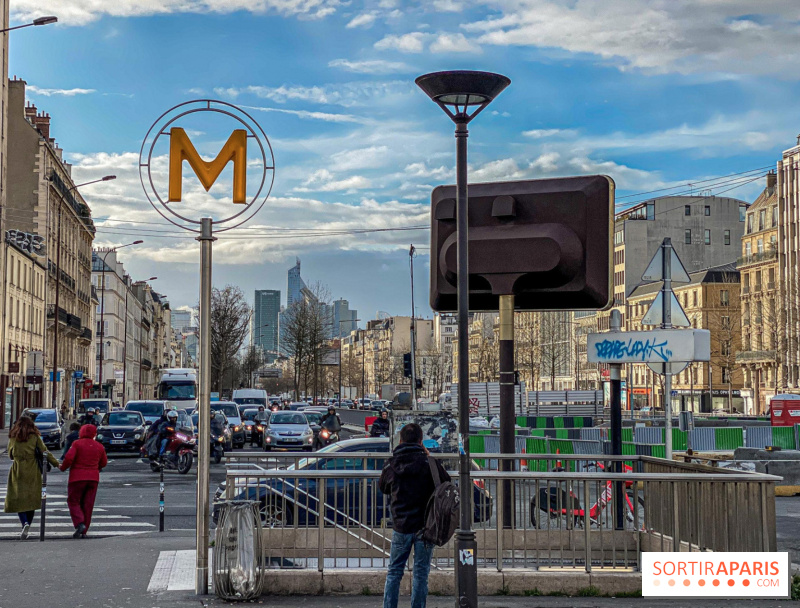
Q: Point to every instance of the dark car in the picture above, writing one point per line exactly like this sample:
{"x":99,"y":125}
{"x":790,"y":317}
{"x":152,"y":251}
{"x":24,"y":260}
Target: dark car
{"x":347,"y":501}
{"x":314,"y":421}
{"x":122,"y":431}
{"x":50,"y":425}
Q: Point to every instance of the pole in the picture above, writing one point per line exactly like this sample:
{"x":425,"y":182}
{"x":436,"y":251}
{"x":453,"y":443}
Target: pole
{"x":125,"y":346}
{"x":666,"y":323}
{"x":363,"y":364}
{"x":615,"y":378}
{"x":507,"y":421}
{"x":44,"y":499}
{"x":413,"y":336}
{"x":204,"y":419}
{"x":161,"y":499}
{"x":466,"y":547}
{"x":54,"y":399}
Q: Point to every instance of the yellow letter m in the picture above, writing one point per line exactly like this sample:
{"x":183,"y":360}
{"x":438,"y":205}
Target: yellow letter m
{"x":181,"y":148}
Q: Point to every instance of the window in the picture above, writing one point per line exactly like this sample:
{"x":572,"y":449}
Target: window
{"x":758,"y":280}
{"x":748,"y":249}
{"x":774,"y":216}
{"x":773,"y":243}
{"x":687,"y":236}
{"x":687,"y":210}
{"x":772,"y":277}
{"x":742,"y":212}
{"x":726,"y":375}
{"x":707,"y":211}
{"x":761,"y":217}
{"x":694,"y":298}
{"x":724,"y":297}
{"x":651,"y":211}
{"x":707,"y":236}
{"x":726,"y":348}
{"x":747,"y":280}
{"x":726,"y":237}
{"x":760,"y":245}
{"x":749,"y":223}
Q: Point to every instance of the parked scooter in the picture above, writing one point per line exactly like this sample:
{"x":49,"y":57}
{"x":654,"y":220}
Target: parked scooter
{"x":177,"y":455}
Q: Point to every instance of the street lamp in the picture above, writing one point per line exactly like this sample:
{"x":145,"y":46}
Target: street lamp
{"x":103,"y":307}
{"x":463,"y":95}
{"x":38,"y":21}
{"x":58,"y":278}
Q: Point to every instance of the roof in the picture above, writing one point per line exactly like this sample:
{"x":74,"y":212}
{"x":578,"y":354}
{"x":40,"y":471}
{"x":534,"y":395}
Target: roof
{"x":724,"y":273}
{"x":768,"y":197}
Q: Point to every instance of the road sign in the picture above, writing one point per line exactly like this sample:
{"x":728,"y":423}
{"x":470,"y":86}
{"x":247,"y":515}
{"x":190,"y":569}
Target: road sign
{"x":655,"y":269}
{"x":655,"y":314}
{"x":657,"y":346}
{"x":676,"y":367}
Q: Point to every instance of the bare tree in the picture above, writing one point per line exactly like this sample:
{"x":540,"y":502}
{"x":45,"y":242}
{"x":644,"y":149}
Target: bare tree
{"x":527,"y":348}
{"x":252,"y":359}
{"x":230,"y":317}
{"x":554,"y":344}
{"x":725,"y":318}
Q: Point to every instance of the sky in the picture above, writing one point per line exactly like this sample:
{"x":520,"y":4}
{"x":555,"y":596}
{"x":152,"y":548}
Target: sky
{"x":657,"y":94}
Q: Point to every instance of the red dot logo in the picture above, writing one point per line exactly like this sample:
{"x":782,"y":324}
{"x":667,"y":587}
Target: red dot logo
{"x":686,"y":582}
{"x":746,"y":582}
{"x":731,"y":582}
{"x":716,"y":582}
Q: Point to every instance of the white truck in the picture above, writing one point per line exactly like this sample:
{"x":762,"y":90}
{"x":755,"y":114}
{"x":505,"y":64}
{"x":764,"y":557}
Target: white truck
{"x":178,"y":388}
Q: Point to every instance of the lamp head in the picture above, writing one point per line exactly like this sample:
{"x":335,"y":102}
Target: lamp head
{"x":45,"y":20}
{"x":462,"y":94}
{"x":108,"y":178}
{"x":137,"y":242}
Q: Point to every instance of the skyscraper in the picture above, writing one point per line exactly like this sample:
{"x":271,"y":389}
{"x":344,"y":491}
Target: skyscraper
{"x":344,"y":319}
{"x":296,"y":284}
{"x":264,"y":326}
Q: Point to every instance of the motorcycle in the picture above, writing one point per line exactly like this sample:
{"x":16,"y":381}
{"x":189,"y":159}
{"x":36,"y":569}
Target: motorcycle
{"x":331,"y":427}
{"x":257,"y":433}
{"x":217,"y":449}
{"x":177,"y":455}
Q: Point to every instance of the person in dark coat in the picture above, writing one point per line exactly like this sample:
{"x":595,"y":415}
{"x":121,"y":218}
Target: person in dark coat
{"x":407,"y":480}
{"x":24,"y":491}
{"x":74,"y":428}
{"x":380,"y":428}
{"x":85,"y":459}
{"x":89,"y":417}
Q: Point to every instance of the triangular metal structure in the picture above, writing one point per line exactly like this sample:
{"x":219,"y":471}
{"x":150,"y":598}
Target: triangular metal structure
{"x":655,"y":316}
{"x":655,"y":269}
{"x":673,"y":368}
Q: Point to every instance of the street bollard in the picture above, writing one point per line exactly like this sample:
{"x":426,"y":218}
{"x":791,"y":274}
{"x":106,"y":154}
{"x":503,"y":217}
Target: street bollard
{"x":44,"y":497}
{"x":161,"y":500}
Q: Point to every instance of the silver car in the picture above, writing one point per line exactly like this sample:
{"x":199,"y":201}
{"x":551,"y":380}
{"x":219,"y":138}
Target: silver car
{"x":288,"y":430}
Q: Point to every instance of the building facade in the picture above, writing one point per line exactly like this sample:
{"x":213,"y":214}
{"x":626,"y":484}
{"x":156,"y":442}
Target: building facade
{"x":344,"y":319}
{"x":788,"y":185}
{"x":264,"y":329}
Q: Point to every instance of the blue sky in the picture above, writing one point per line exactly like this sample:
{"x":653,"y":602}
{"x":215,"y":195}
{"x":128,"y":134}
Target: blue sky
{"x":655,"y":94}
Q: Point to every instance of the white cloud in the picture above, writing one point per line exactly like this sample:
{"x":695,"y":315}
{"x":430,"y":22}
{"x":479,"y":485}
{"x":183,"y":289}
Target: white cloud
{"x":60,"y":92}
{"x":548,"y":133}
{"x":323,"y":181}
{"x":325,"y":116}
{"x":454,"y":43}
{"x":413,"y":42}
{"x":365,"y":20}
{"x":655,"y":35}
{"x":372,"y":157}
{"x":370,"y":66}
{"x":81,"y":12}
{"x":346,"y":94}
{"x":448,"y":6}
{"x":422,"y":170}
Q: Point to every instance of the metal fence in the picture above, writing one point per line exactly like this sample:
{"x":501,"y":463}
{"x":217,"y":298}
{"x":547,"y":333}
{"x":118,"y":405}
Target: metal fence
{"x":326,"y":511}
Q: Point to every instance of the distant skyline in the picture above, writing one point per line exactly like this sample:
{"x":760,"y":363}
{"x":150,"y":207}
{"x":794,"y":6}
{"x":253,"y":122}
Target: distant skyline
{"x":657,"y":95}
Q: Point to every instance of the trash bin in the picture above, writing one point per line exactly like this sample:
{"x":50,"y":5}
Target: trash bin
{"x":238,"y":557}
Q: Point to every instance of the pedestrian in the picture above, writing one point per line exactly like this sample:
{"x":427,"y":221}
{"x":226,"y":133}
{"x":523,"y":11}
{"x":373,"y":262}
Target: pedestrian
{"x":407,"y":480}
{"x":24,"y":491}
{"x":74,"y":428}
{"x":64,"y":409}
{"x":85,"y":459}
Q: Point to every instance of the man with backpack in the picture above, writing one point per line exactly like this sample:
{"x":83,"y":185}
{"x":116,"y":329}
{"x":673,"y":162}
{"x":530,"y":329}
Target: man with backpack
{"x":408,"y":479}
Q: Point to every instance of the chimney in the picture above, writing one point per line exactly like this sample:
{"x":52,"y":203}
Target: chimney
{"x":30,"y":113}
{"x":42,"y":123}
{"x":772,"y":179}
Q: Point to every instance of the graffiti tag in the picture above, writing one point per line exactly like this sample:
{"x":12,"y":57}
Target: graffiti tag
{"x":636,"y":349}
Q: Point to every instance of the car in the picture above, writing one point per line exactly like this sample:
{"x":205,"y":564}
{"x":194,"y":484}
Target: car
{"x":288,"y":430}
{"x":250,"y":396}
{"x":231,"y":411}
{"x":102,"y":406}
{"x":226,"y":430}
{"x":296,"y":405}
{"x":122,"y":431}
{"x":314,"y":420}
{"x":377,"y":404}
{"x":50,"y":425}
{"x":280,"y":499}
{"x":150,"y":409}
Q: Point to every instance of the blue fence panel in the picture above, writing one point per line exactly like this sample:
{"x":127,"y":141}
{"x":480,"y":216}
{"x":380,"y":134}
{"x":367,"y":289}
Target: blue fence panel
{"x":591,"y":434}
{"x":757,"y":436}
{"x":703,"y":439}
{"x":648,"y":434}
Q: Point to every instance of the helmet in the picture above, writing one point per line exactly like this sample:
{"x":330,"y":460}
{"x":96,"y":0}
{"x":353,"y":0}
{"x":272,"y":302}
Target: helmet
{"x":213,"y":413}
{"x":384,"y":411}
{"x":172,"y":415}
{"x":260,"y":408}
{"x":331,"y":409}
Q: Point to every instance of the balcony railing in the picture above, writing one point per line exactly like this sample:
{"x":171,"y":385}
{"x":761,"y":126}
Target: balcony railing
{"x":62,"y":314}
{"x":746,"y":289}
{"x":770,"y":286}
{"x":147,"y":364}
{"x":755,"y":356}
{"x":755,"y":258}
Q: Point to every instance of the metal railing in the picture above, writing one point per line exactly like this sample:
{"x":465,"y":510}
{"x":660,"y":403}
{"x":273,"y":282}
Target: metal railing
{"x":326,"y":510}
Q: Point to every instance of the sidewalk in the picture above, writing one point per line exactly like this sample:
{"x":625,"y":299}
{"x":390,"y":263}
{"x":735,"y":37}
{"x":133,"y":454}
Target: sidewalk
{"x":117,"y":572}
{"x":3,"y":441}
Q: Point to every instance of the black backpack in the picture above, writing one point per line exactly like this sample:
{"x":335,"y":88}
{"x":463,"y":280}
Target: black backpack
{"x":442,"y":511}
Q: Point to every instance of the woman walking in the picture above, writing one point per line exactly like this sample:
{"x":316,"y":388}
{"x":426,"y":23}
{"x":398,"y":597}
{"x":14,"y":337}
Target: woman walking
{"x":24,"y":492}
{"x":84,"y":460}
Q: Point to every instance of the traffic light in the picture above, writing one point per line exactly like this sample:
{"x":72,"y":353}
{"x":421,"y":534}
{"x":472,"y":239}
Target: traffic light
{"x":407,"y":365}
{"x":547,"y":242}
{"x":418,"y":383}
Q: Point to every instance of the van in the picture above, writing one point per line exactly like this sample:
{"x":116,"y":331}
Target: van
{"x":785,"y":410}
{"x":102,"y":406}
{"x":250,"y":396}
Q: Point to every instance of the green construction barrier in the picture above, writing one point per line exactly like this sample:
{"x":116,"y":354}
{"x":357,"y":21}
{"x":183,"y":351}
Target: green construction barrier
{"x":577,"y":422}
{"x":728,"y":438}
{"x":558,"y":422}
{"x":541,"y":422}
{"x":477,"y":445}
{"x":522,"y":421}
{"x":783,"y":436}
{"x":537,"y":432}
{"x":679,"y":440}
{"x":562,"y":434}
{"x":535,"y":445}
{"x":659,"y":451}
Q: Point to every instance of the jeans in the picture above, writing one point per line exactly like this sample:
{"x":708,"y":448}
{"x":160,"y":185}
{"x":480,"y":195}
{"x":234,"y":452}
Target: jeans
{"x":401,"y":549}
{"x":26,"y":517}
{"x":164,"y":443}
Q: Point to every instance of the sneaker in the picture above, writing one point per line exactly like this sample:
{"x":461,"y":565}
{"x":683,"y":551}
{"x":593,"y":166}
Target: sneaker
{"x":25,"y":529}
{"x":79,"y":531}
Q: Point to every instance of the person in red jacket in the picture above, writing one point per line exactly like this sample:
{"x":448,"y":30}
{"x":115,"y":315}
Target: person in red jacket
{"x":85,"y":459}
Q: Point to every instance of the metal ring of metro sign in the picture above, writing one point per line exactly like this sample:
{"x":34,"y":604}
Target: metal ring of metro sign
{"x":181,"y":149}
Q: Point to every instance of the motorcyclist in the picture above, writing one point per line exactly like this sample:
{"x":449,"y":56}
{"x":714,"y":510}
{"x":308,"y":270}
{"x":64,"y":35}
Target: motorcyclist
{"x":217,"y":426}
{"x":89,"y":417}
{"x":260,"y":418}
{"x":165,"y":431}
{"x":331,"y":414}
{"x":380,"y":428}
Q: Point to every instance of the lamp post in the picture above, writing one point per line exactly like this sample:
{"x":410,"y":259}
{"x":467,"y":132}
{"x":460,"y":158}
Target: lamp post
{"x":38,"y":21}
{"x":107,"y":178}
{"x":103,"y":308}
{"x":463,"y":95}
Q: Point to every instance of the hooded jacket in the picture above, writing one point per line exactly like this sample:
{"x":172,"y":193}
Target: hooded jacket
{"x":86,"y":457}
{"x":407,"y":479}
